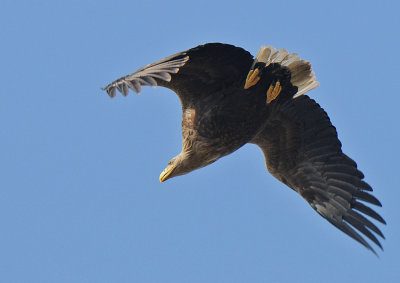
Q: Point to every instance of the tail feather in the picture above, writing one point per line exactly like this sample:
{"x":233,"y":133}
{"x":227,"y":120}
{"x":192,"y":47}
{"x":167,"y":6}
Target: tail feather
{"x":302,"y":75}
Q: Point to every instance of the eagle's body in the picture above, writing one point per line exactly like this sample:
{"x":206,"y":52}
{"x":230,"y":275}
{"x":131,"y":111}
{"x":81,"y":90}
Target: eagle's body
{"x":230,"y":99}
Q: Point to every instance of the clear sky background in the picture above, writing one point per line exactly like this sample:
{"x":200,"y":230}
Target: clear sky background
{"x":80,"y":199}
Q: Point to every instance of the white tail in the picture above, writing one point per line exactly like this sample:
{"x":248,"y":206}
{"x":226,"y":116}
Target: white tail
{"x":302,"y":75}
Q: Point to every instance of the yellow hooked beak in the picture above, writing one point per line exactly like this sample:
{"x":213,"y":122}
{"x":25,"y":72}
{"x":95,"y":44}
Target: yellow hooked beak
{"x":252,"y":78}
{"x":167,"y":172}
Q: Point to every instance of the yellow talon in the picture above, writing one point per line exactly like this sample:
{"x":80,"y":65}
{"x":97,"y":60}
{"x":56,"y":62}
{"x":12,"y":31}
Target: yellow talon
{"x":252,"y":78}
{"x":273,"y":92}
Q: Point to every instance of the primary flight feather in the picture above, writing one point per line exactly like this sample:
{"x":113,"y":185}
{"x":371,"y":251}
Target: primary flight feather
{"x":230,"y":98}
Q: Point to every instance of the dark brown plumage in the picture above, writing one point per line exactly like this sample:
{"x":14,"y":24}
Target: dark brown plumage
{"x":230,"y":98}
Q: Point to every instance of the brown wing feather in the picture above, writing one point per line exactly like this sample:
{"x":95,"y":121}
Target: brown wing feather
{"x":192,"y":73}
{"x":303,"y":151}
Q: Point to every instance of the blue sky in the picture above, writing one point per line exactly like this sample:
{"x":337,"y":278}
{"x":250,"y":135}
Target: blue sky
{"x":80,"y":199}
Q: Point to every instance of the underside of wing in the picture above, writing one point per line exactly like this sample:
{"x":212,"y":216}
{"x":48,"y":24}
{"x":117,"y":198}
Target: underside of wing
{"x":192,"y":73}
{"x":149,"y":75}
{"x":302,"y":150}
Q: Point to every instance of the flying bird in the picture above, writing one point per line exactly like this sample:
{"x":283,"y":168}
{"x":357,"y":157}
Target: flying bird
{"x":230,"y":98}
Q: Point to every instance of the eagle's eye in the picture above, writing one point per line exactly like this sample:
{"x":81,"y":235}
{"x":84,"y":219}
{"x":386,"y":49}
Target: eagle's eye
{"x":171,"y":161}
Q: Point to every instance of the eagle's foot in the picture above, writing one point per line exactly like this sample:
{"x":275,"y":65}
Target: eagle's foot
{"x":252,"y":78}
{"x":273,"y":91}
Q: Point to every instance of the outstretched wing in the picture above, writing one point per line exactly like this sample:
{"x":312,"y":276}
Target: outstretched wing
{"x":150,"y":75}
{"x":303,"y":151}
{"x":192,"y":73}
